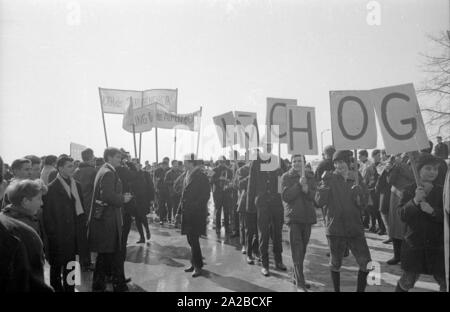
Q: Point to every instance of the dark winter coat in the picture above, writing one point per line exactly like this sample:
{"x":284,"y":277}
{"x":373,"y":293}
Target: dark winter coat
{"x":61,"y":223}
{"x":143,"y":191}
{"x":343,"y":214}
{"x":423,"y":247}
{"x":105,"y":223}
{"x":298,"y":206}
{"x":194,"y":203}
{"x":21,"y":258}
{"x":262,"y":183}
{"x":85,"y":175}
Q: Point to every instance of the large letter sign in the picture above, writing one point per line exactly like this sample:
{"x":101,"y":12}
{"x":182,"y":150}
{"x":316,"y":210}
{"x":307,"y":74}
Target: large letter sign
{"x":400,"y":119}
{"x":247,"y":129}
{"x":352,"y":120}
{"x":276,"y":114}
{"x":301,"y":133}
{"x":225,"y":128}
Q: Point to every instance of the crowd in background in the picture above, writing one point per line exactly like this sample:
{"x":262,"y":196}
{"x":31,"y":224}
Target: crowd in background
{"x":56,"y":208}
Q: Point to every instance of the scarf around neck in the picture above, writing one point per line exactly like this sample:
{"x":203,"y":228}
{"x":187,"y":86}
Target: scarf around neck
{"x":72,"y":191}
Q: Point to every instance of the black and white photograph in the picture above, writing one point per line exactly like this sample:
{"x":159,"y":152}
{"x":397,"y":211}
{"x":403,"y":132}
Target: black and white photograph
{"x":224,"y":151}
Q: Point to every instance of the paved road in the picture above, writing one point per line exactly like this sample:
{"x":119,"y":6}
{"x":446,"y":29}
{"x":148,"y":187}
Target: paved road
{"x":158,"y":265}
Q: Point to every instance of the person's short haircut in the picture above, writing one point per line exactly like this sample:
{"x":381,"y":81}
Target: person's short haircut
{"x":62,"y":161}
{"x":439,"y":137}
{"x":295,"y":155}
{"x":34,"y":159}
{"x":18,"y":163}
{"x":174,"y":162}
{"x":363,"y":153}
{"x":50,"y":160}
{"x":18,"y":190}
{"x":87,"y":154}
{"x":375,"y":152}
{"x":166,"y":159}
{"x":111,"y":152}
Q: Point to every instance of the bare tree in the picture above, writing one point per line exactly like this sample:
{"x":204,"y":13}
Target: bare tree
{"x":436,"y":87}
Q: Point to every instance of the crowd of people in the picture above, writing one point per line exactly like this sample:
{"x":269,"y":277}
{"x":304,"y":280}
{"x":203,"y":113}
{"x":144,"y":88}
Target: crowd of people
{"x":54,"y":208}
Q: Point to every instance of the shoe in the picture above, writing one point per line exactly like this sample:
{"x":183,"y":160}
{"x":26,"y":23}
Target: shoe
{"x":141,"y":241}
{"x":265,"y":272}
{"x":250,"y":260}
{"x":191,"y":269}
{"x":127,"y":280}
{"x":373,"y":229}
{"x":381,"y":232}
{"x":148,"y":235}
{"x":399,"y":289}
{"x":244,"y":250}
{"x":197,"y":273}
{"x":393,"y":261}
{"x":280,"y":266}
{"x":388,"y":241}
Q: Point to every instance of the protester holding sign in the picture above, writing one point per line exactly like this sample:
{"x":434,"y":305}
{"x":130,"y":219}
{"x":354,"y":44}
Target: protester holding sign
{"x":344,"y":199}
{"x":400,"y":176}
{"x":265,"y":198}
{"x":298,"y":193}
{"x":421,"y":208}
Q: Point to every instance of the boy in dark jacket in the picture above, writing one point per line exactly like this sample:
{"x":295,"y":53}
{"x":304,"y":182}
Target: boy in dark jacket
{"x":345,"y":199}
{"x":421,"y":208}
{"x":298,"y":199}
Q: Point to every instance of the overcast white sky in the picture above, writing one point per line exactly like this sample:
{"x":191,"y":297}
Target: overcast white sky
{"x":222,"y":55}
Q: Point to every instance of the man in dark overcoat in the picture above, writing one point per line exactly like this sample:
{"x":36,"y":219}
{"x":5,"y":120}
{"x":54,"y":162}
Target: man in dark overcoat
{"x":193,"y":209}
{"x":105,"y":223}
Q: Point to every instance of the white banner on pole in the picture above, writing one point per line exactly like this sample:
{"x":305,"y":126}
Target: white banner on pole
{"x":115,"y":101}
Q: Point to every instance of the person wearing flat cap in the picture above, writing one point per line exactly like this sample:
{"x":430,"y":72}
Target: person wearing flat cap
{"x":344,"y":199}
{"x":421,"y":208}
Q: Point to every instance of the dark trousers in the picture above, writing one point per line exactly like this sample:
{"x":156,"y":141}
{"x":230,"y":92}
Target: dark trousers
{"x":196,"y":252}
{"x":164,"y":206}
{"x":126,"y":227}
{"x":82,"y":242}
{"x":299,"y":234}
{"x":141,"y":224}
{"x":242,"y":228}
{"x":223,"y":201}
{"x":109,"y":264}
{"x":251,"y":223}
{"x":270,"y":219}
{"x":58,"y":277}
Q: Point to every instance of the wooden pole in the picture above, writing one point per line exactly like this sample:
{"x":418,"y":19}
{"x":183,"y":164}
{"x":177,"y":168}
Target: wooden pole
{"x":156,"y":144}
{"x":175,"y":145}
{"x":134,"y":140}
{"x":412,"y":160}
{"x":356,"y":167}
{"x":199,"y":128}
{"x":103,"y":117}
{"x":140,"y":146}
{"x":303,"y":166}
